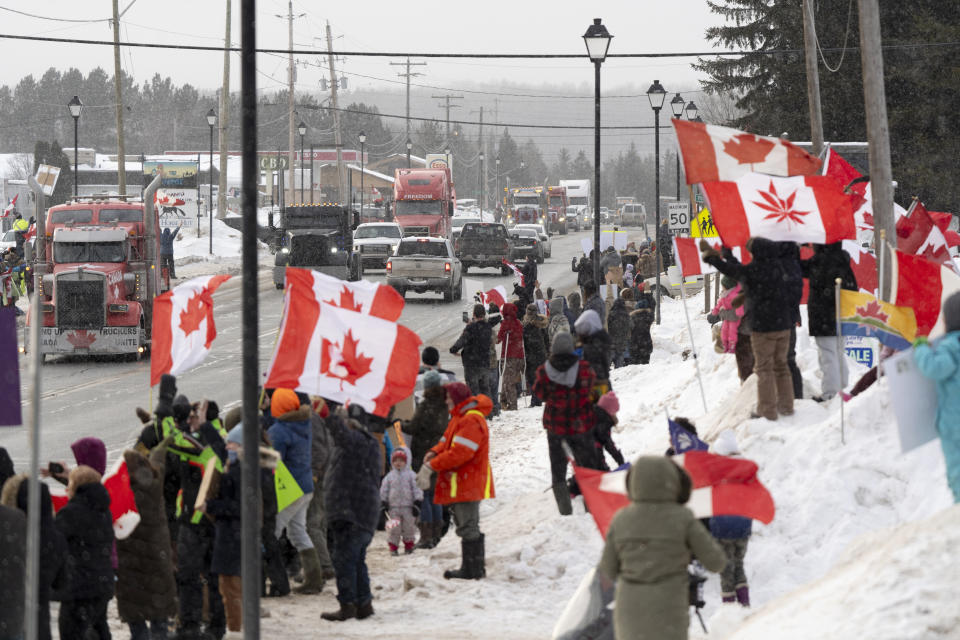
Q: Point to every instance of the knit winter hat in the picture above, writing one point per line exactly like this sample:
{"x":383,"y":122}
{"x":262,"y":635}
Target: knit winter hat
{"x":951,"y":312}
{"x":91,"y":452}
{"x":399,"y":453}
{"x":588,"y":323}
{"x":626,"y":294}
{"x":235,"y":435}
{"x":457,"y":392}
{"x":430,"y":356}
{"x":431,"y":379}
{"x":726,"y":443}
{"x":283,"y":401}
{"x":727,"y":282}
{"x":562,"y":344}
{"x":609,"y":403}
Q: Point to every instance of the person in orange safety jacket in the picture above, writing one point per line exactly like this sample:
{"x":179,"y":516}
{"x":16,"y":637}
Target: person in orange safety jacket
{"x":461,"y":463}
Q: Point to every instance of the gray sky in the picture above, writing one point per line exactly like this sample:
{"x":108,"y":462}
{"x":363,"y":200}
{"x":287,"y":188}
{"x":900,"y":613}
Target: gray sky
{"x":506,"y":26}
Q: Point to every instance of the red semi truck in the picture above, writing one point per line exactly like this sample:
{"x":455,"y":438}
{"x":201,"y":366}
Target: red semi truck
{"x":94,"y":278}
{"x":424,"y":201}
{"x":557,"y":209}
{"x":527,"y":207}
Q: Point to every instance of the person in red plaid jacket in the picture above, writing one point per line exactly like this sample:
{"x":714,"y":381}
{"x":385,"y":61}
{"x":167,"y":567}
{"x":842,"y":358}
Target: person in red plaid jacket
{"x":564,"y":383}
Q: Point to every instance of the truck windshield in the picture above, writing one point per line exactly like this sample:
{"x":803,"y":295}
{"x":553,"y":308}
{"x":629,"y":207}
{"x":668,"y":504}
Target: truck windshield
{"x":436,"y":249}
{"x":484,"y":230}
{"x":121,"y":215}
{"x":577,"y":200}
{"x":556,"y":201}
{"x":419,"y":207}
{"x":72,"y":215}
{"x":534,"y":200}
{"x":64,"y":252}
{"x":377,"y":232}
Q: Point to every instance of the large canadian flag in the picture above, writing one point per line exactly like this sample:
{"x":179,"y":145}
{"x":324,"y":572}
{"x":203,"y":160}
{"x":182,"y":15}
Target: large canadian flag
{"x":920,"y":234}
{"x":183,"y":327}
{"x":924,"y":286}
{"x":362,"y":296}
{"x":342,"y":355}
{"x":861,"y":198}
{"x":123,"y":504}
{"x":688,"y":256}
{"x":711,"y":153}
{"x":721,"y":486}
{"x":800,"y":209}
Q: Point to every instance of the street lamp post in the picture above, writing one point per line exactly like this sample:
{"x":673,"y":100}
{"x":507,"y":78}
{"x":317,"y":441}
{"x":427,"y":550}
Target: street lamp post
{"x":446,"y":156}
{"x":481,"y":185}
{"x":597,"y":39}
{"x":212,"y":121}
{"x":409,"y":149}
{"x":656,"y":94}
{"x":676,"y":105}
{"x":302,"y":130}
{"x":363,"y":138}
{"x":76,"y":108}
{"x":498,"y":186}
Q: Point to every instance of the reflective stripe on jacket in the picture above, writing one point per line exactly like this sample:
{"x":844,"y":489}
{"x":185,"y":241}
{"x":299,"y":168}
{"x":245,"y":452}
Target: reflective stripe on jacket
{"x":462,"y":462}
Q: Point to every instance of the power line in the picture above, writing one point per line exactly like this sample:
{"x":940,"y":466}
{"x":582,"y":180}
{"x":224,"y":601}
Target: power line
{"x":33,"y":15}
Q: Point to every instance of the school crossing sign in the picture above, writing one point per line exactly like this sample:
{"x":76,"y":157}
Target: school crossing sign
{"x":702,"y":226}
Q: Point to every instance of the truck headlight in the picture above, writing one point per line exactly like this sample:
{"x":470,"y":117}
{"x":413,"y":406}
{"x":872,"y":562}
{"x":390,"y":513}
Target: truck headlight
{"x":285,"y":250}
{"x":333,"y":249}
{"x":356,"y":248}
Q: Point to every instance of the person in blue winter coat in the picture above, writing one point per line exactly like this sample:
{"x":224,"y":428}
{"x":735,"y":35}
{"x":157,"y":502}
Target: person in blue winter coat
{"x":402,"y":500}
{"x":733,"y":534}
{"x":166,"y":250}
{"x":941,"y":363}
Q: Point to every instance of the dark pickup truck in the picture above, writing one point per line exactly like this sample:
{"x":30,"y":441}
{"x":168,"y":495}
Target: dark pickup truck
{"x":484,"y":244}
{"x":318,"y":237}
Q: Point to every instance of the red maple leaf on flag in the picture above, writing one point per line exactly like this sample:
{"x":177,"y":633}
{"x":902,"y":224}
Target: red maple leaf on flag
{"x":347,"y":301}
{"x":192,"y":315}
{"x":81,"y":339}
{"x":781,"y":208}
{"x":747,"y":148}
{"x":349,"y":365}
{"x":873,"y":310}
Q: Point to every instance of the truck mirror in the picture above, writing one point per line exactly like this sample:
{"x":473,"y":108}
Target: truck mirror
{"x":356,"y":220}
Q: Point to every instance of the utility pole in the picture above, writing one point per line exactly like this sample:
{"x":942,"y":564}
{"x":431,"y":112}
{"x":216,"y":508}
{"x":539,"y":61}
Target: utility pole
{"x":481,"y":169}
{"x":118,"y":99}
{"x":291,"y":69}
{"x":813,"y":78}
{"x":408,"y":75}
{"x":224,"y":119}
{"x":878,"y":130}
{"x":447,"y":98}
{"x":343,"y":196}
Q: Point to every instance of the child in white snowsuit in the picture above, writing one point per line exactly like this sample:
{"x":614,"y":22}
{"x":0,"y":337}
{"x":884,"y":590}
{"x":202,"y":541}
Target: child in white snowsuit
{"x":401,"y":498}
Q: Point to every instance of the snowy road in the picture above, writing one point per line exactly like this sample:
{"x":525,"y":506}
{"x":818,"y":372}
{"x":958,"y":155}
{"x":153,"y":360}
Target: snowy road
{"x":97,"y":396}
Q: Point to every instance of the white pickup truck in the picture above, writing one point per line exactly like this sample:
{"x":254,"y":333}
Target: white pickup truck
{"x":426,"y":263}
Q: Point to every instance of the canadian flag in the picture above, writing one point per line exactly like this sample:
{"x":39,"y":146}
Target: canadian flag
{"x":836,"y":167}
{"x":515,"y":269}
{"x":918,"y":233}
{"x":711,"y":153}
{"x":362,"y":296}
{"x":721,"y":486}
{"x":924,"y":286}
{"x":183,"y":327}
{"x":864,"y":265}
{"x":9,"y":209}
{"x":688,"y":256}
{"x":123,"y":505}
{"x":31,"y":232}
{"x":800,"y":209}
{"x":342,"y":355}
{"x":497,"y":295}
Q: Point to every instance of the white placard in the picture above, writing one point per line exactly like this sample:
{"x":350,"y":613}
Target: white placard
{"x":587,"y":245}
{"x":620,"y":240}
{"x":914,"y":399}
{"x":471,"y":288}
{"x":606,"y":240}
{"x":46,"y":177}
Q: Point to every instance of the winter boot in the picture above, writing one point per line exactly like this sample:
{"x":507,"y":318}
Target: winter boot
{"x":365,"y":610}
{"x":471,"y":566}
{"x":312,"y":572}
{"x":393,"y":549}
{"x":408,"y":547}
{"x":482,"y":557}
{"x":347,"y":610}
{"x":562,"y":495}
{"x":426,"y":536}
{"x":743,"y":595}
{"x":729,"y":598}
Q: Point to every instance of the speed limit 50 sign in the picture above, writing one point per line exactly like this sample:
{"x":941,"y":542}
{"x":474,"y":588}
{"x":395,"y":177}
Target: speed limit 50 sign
{"x":678,"y":218}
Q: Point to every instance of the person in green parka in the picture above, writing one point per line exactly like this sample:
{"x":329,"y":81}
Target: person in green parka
{"x":648,"y":547}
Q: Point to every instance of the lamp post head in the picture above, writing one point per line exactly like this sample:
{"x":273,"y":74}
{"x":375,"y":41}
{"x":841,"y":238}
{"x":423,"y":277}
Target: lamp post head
{"x":597,"y":39}
{"x":446,"y":151}
{"x":302,"y":128}
{"x":211,"y":117}
{"x":676,"y":105}
{"x":409,"y":144}
{"x":76,"y":107}
{"x":692,"y":111}
{"x":362,"y":137}
{"x":522,"y":163}
{"x":481,"y":156}
{"x":656,"y":94}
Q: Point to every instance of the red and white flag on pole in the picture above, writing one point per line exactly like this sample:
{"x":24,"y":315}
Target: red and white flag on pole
{"x":924,"y":286}
{"x":864,"y":265}
{"x":183,"y":327}
{"x":363,"y":296}
{"x":722,"y":486}
{"x":515,"y":269}
{"x":9,"y":208}
{"x":123,"y":505}
{"x":711,"y":153}
{"x":801,"y":209}
{"x":497,"y":295}
{"x":30,"y":233}
{"x":689,"y":258}
{"x":341,"y":354}
{"x":918,"y":233}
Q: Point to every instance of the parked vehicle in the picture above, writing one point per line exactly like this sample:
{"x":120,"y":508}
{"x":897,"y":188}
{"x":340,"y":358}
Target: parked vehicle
{"x":525,"y":242}
{"x":426,"y":264}
{"x":542,"y":234}
{"x":375,"y":242}
{"x":483,"y":244}
{"x":8,"y":240}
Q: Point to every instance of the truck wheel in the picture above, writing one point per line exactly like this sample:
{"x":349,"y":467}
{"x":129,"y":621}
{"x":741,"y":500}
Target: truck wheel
{"x":458,"y":292}
{"x":504,"y":270}
{"x":448,"y":294}
{"x":540,"y":259}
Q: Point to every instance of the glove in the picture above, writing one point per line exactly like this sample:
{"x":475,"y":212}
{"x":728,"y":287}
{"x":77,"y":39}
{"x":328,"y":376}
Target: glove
{"x":425,"y":476}
{"x":416,"y":508}
{"x":384,"y":505}
{"x":713,"y":318}
{"x":707,"y":251}
{"x":920,"y":340}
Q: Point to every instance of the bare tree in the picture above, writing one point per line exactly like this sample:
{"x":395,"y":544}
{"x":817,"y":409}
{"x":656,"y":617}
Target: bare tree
{"x":720,"y":109}
{"x":21,"y":165}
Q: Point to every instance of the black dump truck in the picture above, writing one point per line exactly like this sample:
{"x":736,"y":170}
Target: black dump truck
{"x":318,"y":237}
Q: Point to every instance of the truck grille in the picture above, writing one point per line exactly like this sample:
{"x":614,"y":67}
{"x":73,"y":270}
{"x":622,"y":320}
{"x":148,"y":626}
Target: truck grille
{"x":375,"y":249}
{"x":416,"y":231}
{"x":307,"y":250}
{"x":80,"y":303}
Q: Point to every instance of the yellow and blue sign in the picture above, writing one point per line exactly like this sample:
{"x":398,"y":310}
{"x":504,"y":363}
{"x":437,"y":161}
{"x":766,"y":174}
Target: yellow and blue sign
{"x":861,"y":314}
